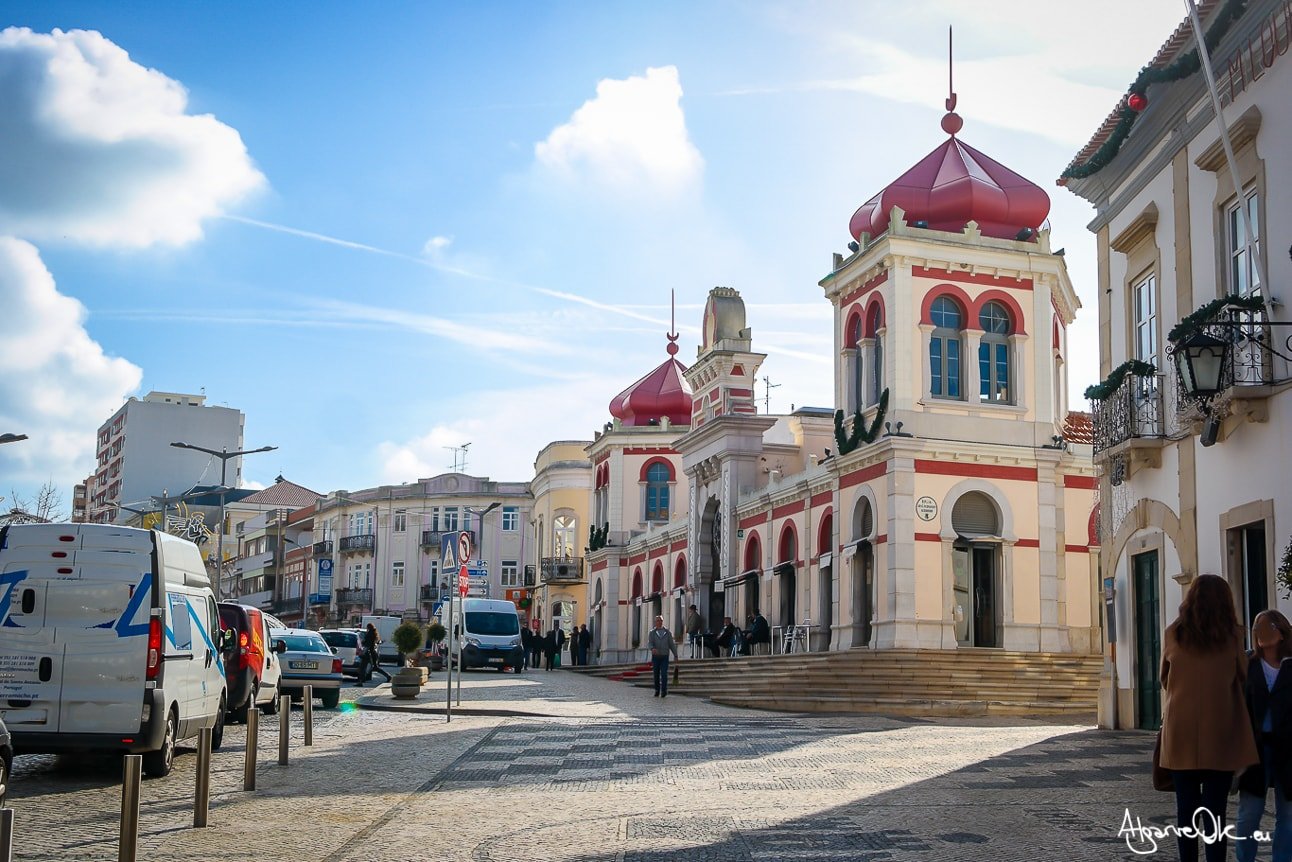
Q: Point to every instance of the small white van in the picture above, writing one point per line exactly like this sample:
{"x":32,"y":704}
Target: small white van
{"x":490,"y":635}
{"x":109,"y":641}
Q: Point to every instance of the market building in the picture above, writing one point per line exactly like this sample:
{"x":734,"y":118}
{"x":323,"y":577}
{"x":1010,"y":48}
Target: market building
{"x":945,"y":502}
{"x":1191,"y":418}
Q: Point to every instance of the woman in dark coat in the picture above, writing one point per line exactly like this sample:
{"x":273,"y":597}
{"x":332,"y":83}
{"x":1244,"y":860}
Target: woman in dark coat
{"x":1206,"y":734}
{"x":1269,"y":703}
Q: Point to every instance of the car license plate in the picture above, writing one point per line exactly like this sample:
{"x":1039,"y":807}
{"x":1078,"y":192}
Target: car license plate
{"x":303,"y":665}
{"x":495,"y":661}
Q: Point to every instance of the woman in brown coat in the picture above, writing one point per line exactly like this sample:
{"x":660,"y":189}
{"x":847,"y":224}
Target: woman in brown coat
{"x":1206,"y":734}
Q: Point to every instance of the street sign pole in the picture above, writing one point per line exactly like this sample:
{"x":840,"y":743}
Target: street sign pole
{"x":464,"y":556}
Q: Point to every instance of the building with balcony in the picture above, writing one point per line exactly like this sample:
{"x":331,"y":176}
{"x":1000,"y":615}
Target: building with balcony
{"x":384,"y":545}
{"x":136,"y":462}
{"x":271,"y":543}
{"x":561,"y":528}
{"x":1192,"y":485}
{"x":940,"y":503}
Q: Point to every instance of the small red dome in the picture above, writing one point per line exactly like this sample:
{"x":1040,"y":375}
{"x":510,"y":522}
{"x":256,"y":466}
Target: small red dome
{"x":663,"y":392}
{"x":951,"y":186}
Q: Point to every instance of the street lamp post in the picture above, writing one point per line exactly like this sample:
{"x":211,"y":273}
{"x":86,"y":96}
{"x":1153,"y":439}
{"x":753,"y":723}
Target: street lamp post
{"x":224,"y":455}
{"x":479,"y":513}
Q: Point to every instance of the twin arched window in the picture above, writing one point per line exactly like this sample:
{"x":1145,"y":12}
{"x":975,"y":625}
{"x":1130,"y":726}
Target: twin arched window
{"x":657,"y":479}
{"x":946,"y":347}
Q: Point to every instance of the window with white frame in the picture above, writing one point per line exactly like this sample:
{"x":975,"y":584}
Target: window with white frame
{"x":563,"y":536}
{"x":450,"y":519}
{"x":433,"y":573}
{"x":397,"y":574}
{"x":401,"y":520}
{"x":1243,"y":274}
{"x":434,"y":518}
{"x":510,"y":573}
{"x":658,"y":477}
{"x":993,"y":354}
{"x":944,"y":348}
{"x":510,"y":519}
{"x":1144,"y":297}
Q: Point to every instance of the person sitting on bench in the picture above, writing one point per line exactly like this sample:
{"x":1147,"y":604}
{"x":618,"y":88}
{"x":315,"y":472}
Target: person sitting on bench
{"x":727,"y":637}
{"x":759,"y":631}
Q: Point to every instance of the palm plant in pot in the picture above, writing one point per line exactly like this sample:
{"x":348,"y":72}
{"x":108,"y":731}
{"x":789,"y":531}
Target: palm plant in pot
{"x":408,"y":679}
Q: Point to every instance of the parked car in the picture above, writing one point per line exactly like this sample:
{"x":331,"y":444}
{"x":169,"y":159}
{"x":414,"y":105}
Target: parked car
{"x":252,"y":671}
{"x":6,"y":762}
{"x":308,"y":660}
{"x":347,"y":644}
{"x":111,"y":642}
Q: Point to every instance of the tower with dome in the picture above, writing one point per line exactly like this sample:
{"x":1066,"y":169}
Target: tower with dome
{"x":944,"y":501}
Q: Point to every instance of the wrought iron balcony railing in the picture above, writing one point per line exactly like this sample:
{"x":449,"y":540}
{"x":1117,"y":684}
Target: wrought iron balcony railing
{"x":351,"y":544}
{"x":562,"y":570}
{"x":531,"y":577}
{"x":323,"y":599}
{"x":348,"y":596}
{"x":1134,"y":409}
{"x":322,"y":549}
{"x":430,"y":593}
{"x":432,"y":538}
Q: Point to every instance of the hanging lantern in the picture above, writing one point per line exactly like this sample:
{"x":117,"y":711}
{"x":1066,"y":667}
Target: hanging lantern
{"x":1137,"y":102}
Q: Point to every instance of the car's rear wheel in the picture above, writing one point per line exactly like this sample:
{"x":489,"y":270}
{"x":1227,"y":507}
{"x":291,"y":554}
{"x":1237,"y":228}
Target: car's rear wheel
{"x":331,"y":697}
{"x":217,"y":732}
{"x":250,"y":704}
{"x":6,"y":770}
{"x":157,"y":764}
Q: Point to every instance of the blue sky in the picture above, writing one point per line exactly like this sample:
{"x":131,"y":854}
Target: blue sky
{"x":387,"y":229}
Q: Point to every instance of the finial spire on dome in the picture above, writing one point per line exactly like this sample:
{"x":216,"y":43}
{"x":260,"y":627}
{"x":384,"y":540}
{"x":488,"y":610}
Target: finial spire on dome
{"x":672,"y":323}
{"x":951,"y":121}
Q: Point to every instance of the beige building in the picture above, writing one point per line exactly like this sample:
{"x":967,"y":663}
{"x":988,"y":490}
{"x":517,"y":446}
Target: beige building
{"x":949,"y":502}
{"x":1192,"y":483}
{"x":557,"y":583}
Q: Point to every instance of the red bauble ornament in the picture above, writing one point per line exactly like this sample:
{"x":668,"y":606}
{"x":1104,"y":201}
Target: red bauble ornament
{"x":1137,"y":102}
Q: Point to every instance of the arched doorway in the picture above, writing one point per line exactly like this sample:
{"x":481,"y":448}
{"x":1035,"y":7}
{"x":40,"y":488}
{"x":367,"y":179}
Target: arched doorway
{"x":787,"y":572}
{"x":753,"y":572}
{"x":863,"y":573}
{"x":656,"y":594}
{"x":636,"y":624}
{"x":975,"y":567}
{"x":825,"y":583}
{"x":679,"y":608}
{"x":709,"y":566}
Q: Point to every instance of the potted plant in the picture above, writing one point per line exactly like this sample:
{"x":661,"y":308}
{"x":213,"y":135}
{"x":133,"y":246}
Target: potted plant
{"x":408,"y":680}
{"x":435,"y":635}
{"x":1284,"y":574}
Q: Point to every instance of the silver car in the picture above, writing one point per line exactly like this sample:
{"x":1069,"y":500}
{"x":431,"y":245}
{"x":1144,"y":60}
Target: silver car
{"x":306,"y":659}
{"x":347,"y":644}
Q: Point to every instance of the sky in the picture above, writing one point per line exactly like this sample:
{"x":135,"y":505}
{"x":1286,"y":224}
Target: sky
{"x":385,"y":230}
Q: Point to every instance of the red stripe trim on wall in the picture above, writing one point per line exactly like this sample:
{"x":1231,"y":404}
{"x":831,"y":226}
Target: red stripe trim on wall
{"x":972,"y":278}
{"x":1088,"y":483}
{"x":976,"y":471}
{"x":1028,"y":543}
{"x":874,"y":471}
{"x":597,"y":567}
{"x":927,"y":537}
{"x":753,"y":520}
{"x":865,"y":288}
{"x":657,"y":553}
{"x":823,"y":499}
{"x":650,"y":450}
{"x":788,"y":509}
{"x":1076,"y":549}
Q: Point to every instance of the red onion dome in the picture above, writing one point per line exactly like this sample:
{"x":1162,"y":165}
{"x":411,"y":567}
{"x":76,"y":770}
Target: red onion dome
{"x":663,"y":392}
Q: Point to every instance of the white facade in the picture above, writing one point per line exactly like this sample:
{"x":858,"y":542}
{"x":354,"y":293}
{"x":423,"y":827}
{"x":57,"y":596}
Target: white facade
{"x":1172,"y":507}
{"x":136,"y":462}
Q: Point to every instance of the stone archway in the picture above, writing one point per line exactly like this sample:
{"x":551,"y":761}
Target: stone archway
{"x":825,"y":581}
{"x":708,"y":565}
{"x":863,"y":572}
{"x":787,"y":572}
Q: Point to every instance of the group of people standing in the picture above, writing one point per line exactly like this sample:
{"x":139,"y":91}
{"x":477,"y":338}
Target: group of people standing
{"x":545,"y":649}
{"x":1226,"y":713}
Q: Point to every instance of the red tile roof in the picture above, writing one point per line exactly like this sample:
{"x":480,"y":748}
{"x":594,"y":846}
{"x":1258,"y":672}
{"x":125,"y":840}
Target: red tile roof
{"x":1079,"y":428}
{"x":284,"y":493}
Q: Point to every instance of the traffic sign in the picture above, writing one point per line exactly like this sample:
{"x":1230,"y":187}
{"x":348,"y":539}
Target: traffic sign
{"x":464,"y":547}
{"x":464,"y":582}
{"x":448,"y":559}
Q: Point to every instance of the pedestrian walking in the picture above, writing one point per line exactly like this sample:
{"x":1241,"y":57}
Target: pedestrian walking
{"x":526,"y":646}
{"x":1206,"y":733}
{"x":551,"y":646}
{"x":574,"y":648}
{"x":537,"y":645}
{"x":585,"y":644}
{"x":661,"y":644}
{"x":371,"y":657}
{"x":1269,"y":705}
{"x":694,"y":627}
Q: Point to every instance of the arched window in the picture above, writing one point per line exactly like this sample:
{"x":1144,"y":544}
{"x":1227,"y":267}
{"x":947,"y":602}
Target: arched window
{"x":563,"y":536}
{"x":657,"y":579}
{"x":875,"y":324}
{"x":657,"y":479}
{"x":679,"y":573}
{"x":855,"y":378}
{"x":944,"y":348}
{"x":993,"y":354}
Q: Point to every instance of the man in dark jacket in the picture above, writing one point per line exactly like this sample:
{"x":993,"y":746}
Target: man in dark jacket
{"x":727,"y":637}
{"x":759,"y":632}
{"x":552,"y":643}
{"x":526,"y":645}
{"x":585,"y":644}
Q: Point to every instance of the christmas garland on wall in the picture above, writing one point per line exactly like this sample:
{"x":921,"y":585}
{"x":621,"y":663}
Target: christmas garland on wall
{"x":598,"y":538}
{"x":1111,"y":383}
{"x":1137,"y":100}
{"x":1284,"y":574}
{"x":860,"y":433}
{"x":1204,"y":314}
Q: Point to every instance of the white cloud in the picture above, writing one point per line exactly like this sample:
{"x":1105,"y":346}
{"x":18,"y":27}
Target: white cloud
{"x":99,"y":149}
{"x":632,"y":137}
{"x":57,"y":385}
{"x":436,"y":245}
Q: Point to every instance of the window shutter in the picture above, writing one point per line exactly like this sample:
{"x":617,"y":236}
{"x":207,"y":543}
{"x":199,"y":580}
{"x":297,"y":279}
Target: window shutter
{"x":975,"y":515}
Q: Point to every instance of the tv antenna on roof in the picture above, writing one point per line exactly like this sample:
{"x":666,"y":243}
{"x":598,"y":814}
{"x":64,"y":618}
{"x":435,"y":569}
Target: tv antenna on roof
{"x":459,"y":457}
{"x":767,"y":398}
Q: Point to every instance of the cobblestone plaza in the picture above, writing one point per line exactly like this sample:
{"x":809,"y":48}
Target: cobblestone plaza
{"x":617,"y":776}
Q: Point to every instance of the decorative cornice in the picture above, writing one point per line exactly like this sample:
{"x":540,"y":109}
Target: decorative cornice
{"x":1141,"y":227}
{"x":1241,"y":133}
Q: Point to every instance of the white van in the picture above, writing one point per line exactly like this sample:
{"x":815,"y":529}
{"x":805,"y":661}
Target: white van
{"x":386,"y":625}
{"x":109,"y":641}
{"x":491,"y":635}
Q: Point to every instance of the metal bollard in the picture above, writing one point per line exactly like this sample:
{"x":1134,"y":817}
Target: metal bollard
{"x":284,"y":727}
{"x":6,"y":835}
{"x":309,"y":716}
{"x":253,"y":740}
{"x":128,"y":836}
{"x":202,"y":794}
